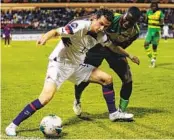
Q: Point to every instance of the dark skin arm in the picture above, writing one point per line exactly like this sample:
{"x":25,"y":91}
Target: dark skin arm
{"x":120,"y":50}
{"x":127,"y":43}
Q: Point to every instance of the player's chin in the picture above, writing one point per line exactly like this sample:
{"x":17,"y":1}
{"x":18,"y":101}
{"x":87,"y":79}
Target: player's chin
{"x":97,"y":31}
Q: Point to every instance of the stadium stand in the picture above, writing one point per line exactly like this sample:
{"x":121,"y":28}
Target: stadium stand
{"x":43,"y":18}
{"x":94,"y":1}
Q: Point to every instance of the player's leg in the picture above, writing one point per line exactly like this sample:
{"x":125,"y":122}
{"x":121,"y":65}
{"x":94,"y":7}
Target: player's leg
{"x":94,"y":57}
{"x":5,"y":41}
{"x":155,"y":43}
{"x":8,"y":41}
{"x":100,"y":77}
{"x":147,"y":43}
{"x":89,"y":73}
{"x":49,"y":89}
{"x":154,"y":55}
{"x":165,"y":37}
{"x":78,"y":92}
{"x":45,"y":96}
{"x":122,"y":69}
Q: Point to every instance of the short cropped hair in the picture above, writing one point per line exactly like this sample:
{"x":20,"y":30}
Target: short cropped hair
{"x":154,"y":3}
{"x":106,"y":13}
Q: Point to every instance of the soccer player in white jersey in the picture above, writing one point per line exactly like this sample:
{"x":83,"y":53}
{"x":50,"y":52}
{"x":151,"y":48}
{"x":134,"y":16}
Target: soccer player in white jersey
{"x":66,"y":63}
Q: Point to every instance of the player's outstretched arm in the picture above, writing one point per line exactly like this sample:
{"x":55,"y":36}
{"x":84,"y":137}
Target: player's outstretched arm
{"x":47,"y":36}
{"x":120,"y":50}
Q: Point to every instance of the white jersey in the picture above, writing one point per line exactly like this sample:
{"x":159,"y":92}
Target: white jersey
{"x":166,"y":30}
{"x":81,"y":41}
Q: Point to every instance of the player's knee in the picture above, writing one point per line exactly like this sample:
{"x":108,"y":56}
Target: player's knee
{"x":154,"y":46}
{"x":108,"y":80}
{"x":146,"y":44}
{"x":46,"y":96}
{"x":127,"y":78}
{"x":127,"y":82}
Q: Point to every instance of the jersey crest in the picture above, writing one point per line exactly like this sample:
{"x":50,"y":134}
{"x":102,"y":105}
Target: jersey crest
{"x":74,"y":25}
{"x":69,"y":29}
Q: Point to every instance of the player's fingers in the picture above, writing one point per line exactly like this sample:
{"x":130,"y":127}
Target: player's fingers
{"x":37,"y":43}
{"x":138,"y":61}
{"x":41,"y":41}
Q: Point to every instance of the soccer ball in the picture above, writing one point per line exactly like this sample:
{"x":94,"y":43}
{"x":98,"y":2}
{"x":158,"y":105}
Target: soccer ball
{"x":51,"y":125}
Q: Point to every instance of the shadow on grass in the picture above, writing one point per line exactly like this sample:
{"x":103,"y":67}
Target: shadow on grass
{"x":164,"y":66}
{"x":77,"y":119}
{"x":139,"y":112}
{"x":62,"y":134}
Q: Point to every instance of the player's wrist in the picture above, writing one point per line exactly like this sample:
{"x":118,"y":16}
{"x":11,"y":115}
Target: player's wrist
{"x":130,"y":56}
{"x":45,"y":37}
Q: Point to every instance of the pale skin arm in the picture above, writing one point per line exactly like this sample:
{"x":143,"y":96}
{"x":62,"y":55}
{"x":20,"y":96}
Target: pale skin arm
{"x":120,"y":50}
{"x":47,"y":36}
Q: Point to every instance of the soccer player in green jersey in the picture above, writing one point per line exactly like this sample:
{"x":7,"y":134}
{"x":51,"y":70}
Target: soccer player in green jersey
{"x":155,"y":19}
{"x":123,"y":31}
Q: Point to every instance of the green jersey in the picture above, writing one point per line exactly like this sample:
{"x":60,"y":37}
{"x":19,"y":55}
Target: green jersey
{"x":154,"y":18}
{"x":119,"y":35}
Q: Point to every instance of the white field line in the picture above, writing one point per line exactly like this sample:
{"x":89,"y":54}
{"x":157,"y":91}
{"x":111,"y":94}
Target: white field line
{"x":158,"y":56}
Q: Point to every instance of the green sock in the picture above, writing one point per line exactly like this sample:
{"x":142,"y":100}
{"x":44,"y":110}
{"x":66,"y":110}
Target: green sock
{"x":154,"y":54}
{"x":149,"y":52}
{"x":123,"y":104}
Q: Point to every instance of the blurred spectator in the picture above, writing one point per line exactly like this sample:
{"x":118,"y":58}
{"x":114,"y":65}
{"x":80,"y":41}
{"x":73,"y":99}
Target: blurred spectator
{"x":48,"y":18}
{"x":7,"y":35}
{"x":164,"y":1}
{"x":85,"y":1}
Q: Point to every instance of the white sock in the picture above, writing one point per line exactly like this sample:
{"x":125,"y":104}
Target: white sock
{"x":13,"y":125}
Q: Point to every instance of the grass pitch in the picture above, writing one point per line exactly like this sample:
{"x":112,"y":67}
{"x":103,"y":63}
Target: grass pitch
{"x":23,"y":71}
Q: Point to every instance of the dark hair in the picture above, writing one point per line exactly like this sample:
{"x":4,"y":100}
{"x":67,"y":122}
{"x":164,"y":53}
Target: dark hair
{"x":154,"y":3}
{"x":102,"y":12}
{"x":135,"y":12}
{"x":81,"y":18}
{"x":106,"y":13}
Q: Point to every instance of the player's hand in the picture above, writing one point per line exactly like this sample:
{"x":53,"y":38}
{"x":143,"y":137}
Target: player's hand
{"x":135,"y":59}
{"x":42,"y":41}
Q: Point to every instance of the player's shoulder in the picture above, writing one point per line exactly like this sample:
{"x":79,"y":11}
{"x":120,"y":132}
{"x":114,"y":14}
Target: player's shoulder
{"x":117,"y":16}
{"x":80,"y":24}
{"x":159,"y":11}
{"x":149,"y":11}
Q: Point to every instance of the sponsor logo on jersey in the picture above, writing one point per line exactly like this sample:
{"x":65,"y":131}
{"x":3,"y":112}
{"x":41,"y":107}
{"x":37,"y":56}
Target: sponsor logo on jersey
{"x":74,"y":25}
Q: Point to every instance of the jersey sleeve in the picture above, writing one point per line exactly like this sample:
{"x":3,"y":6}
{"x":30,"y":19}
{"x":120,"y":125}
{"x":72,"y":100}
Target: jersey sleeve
{"x":103,"y":39}
{"x":162,"y":15}
{"x":116,"y":18}
{"x":147,"y":13}
{"x":71,"y":29}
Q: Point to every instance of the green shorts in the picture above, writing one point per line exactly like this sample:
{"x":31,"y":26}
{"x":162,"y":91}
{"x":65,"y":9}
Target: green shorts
{"x":153,"y":36}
